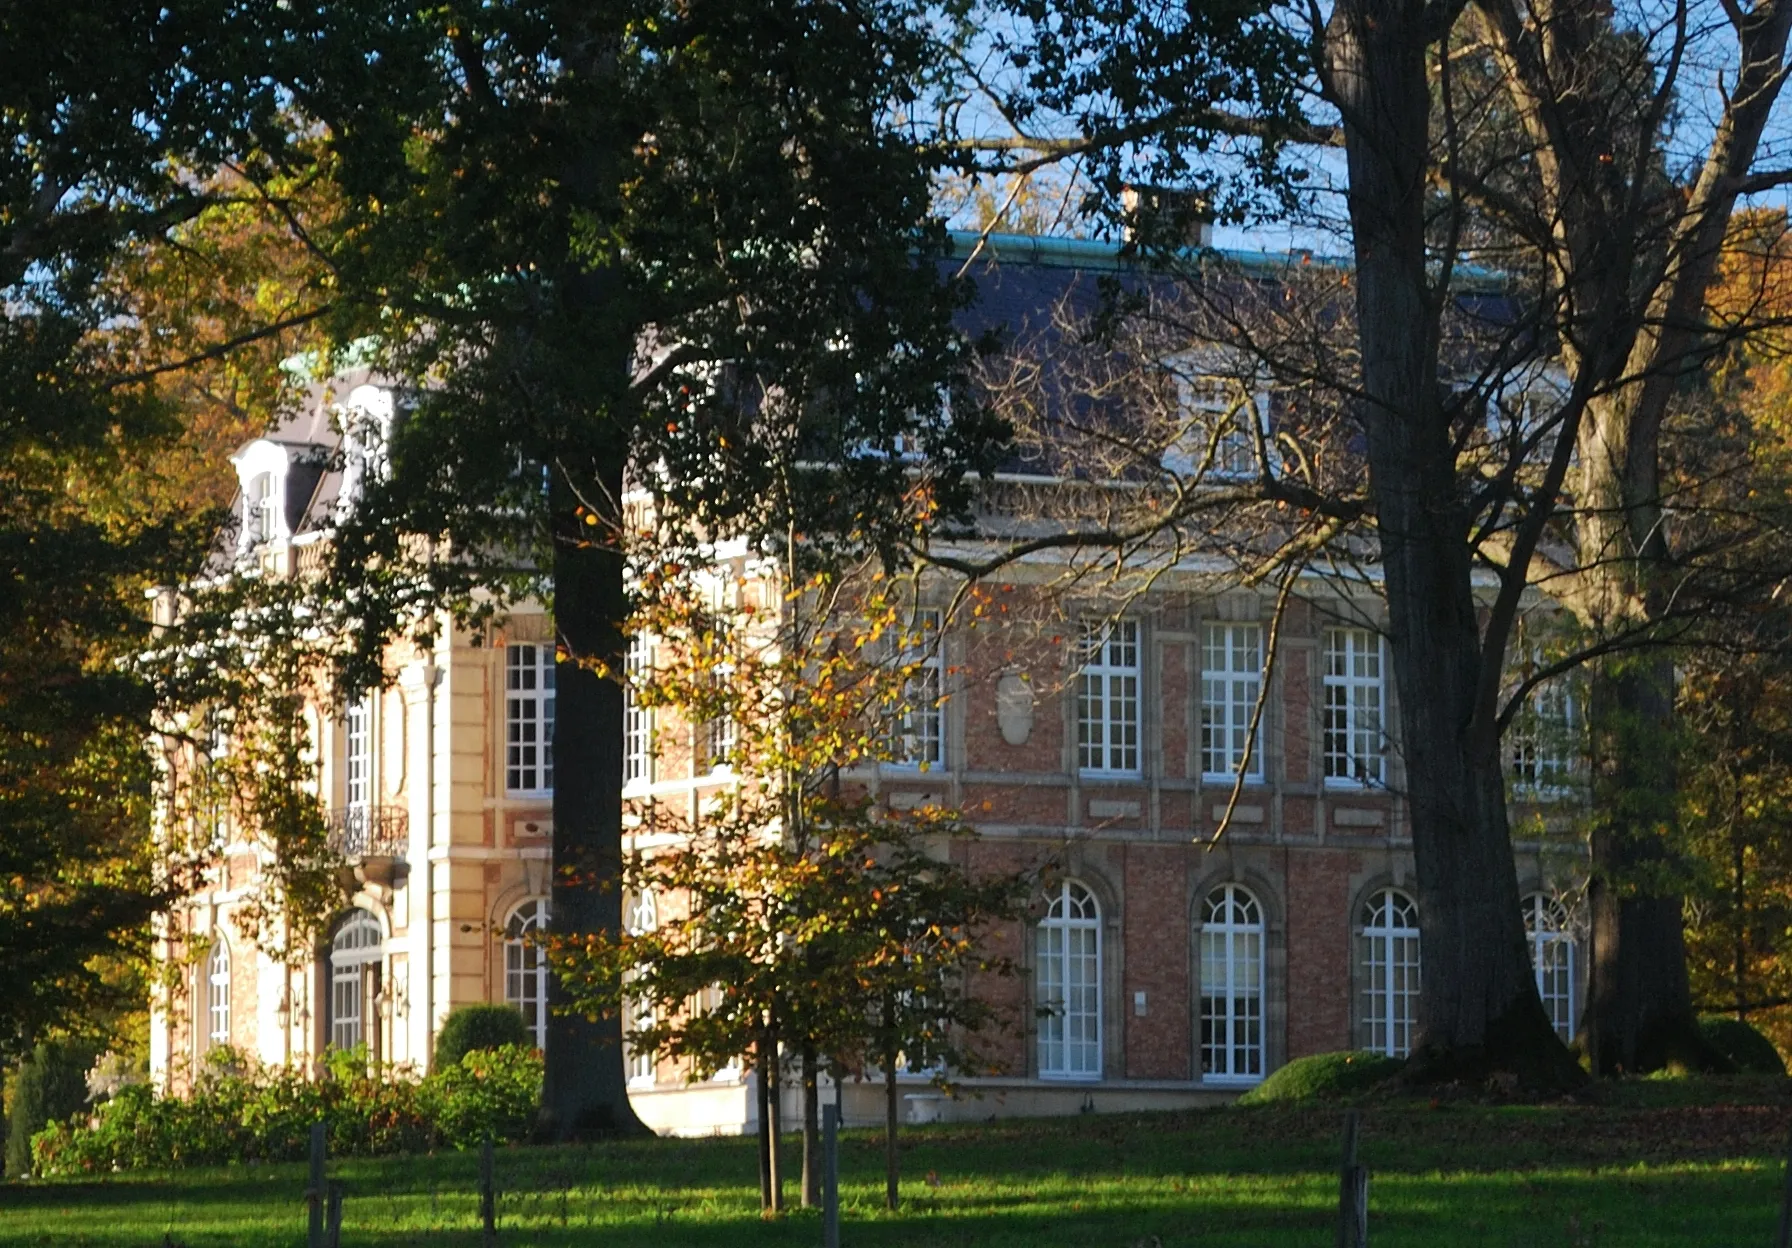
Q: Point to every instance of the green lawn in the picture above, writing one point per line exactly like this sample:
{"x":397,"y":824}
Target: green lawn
{"x":1679,"y":1164}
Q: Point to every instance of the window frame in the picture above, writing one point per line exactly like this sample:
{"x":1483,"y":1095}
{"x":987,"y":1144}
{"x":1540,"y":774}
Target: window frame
{"x":1103,"y":700}
{"x":1235,"y":450}
{"x":526,"y":966}
{"x":923,"y":697}
{"x":1347,"y":684}
{"x":351,"y":953}
{"x":717,"y":738}
{"x":1382,"y":946}
{"x":1228,"y":935}
{"x":357,"y":755}
{"x":1080,"y":915}
{"x":1540,"y":741}
{"x":538,"y":696}
{"x":262,"y":521}
{"x":637,"y":720}
{"x":217,"y":994}
{"x":1555,"y":942}
{"x":1237,"y":736}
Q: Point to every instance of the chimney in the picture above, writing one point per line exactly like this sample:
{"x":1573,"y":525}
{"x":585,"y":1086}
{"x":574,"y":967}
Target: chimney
{"x":1163,"y":214}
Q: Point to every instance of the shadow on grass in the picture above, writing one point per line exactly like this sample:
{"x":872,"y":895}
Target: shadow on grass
{"x":1475,"y":1176}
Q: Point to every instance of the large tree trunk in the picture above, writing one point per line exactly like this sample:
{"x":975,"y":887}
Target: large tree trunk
{"x":1479,"y":1010}
{"x":1640,"y":1015}
{"x":1639,"y":1004}
{"x":585,"y":1084}
{"x":579,"y":356}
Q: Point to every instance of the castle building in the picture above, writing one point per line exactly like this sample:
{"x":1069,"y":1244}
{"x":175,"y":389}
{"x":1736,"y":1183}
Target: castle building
{"x":1163,"y":967}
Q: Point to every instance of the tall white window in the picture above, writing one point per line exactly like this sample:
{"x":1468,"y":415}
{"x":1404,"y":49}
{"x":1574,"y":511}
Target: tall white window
{"x":526,"y":968}
{"x":1221,"y":415}
{"x":719,"y":733}
{"x":1231,"y":678}
{"x":1107,"y":713}
{"x":1231,"y":986}
{"x":643,"y":916}
{"x":529,"y":719}
{"x":1388,"y":967}
{"x":920,"y":739}
{"x":1353,"y":707}
{"x":1542,"y":741}
{"x":357,"y":756}
{"x":637,"y":724}
{"x":1069,"y":985}
{"x":354,"y":956}
{"x":261,"y":518}
{"x":1551,"y":939}
{"x":217,"y":994}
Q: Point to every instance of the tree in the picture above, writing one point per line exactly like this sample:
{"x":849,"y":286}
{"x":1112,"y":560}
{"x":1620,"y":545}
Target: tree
{"x":1533,"y":141}
{"x":678,"y":248}
{"x":115,"y":158}
{"x":793,"y":916}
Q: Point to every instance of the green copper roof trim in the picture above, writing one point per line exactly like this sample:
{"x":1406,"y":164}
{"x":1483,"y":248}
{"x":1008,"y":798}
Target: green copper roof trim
{"x":1052,"y":251}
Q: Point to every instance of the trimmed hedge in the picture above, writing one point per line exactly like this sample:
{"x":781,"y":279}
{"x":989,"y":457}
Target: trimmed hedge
{"x":266,"y":1113}
{"x":1324,"y":1076}
{"x":474,"y":1027}
{"x":1745,"y":1046}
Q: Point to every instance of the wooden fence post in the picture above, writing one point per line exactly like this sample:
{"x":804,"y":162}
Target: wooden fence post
{"x":488,"y":1198}
{"x":1353,"y":1192}
{"x":1784,"y":1239}
{"x":830,"y":1176}
{"x":314,"y":1195}
{"x":333,"y":1215}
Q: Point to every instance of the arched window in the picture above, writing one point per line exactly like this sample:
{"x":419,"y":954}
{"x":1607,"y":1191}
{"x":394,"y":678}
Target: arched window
{"x":354,"y":961}
{"x":643,"y":916}
{"x":526,"y":967}
{"x":1546,"y":929}
{"x":217,"y":994}
{"x":1231,"y":985}
{"x":1069,"y":985}
{"x":1388,"y":967}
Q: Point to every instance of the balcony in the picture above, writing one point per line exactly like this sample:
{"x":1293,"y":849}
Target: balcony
{"x":372,"y":841}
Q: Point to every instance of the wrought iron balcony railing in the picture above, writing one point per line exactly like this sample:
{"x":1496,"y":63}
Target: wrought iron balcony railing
{"x":359,"y":832}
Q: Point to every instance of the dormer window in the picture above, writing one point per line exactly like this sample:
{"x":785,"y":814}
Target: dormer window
{"x":365,"y":419}
{"x":1220,"y":414}
{"x":258,"y":508}
{"x":263,"y":469}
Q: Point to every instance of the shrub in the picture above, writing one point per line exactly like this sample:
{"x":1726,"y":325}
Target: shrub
{"x":251,"y":1113}
{"x":473,"y":1027}
{"x":51,"y":1085}
{"x":490,"y":1092}
{"x":1745,"y":1046}
{"x":1323,"y":1077}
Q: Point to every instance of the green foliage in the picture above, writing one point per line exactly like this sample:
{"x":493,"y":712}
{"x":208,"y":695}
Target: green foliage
{"x":240,"y":1112}
{"x":1324,"y":1076}
{"x":48,"y":1086}
{"x":490,"y":1091}
{"x":474,"y":1027}
{"x":1748,"y":1049}
{"x":799,"y":912}
{"x":119,"y":267}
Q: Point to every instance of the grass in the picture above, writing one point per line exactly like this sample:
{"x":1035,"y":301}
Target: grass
{"x":1672,"y":1162}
